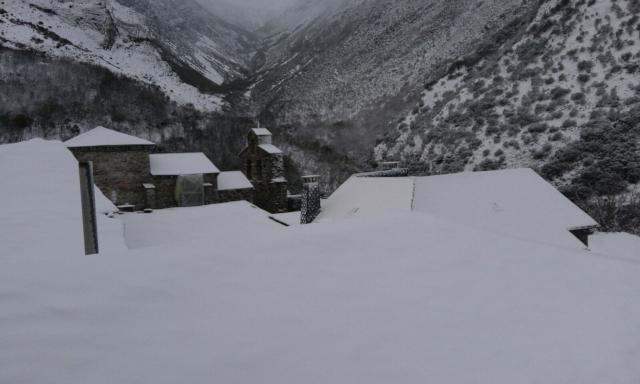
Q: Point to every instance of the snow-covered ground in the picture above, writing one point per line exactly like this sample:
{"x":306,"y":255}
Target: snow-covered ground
{"x":213,"y":223}
{"x":402,"y":297}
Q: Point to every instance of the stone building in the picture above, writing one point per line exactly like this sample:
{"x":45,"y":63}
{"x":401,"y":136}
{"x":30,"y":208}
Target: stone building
{"x":135,"y":178}
{"x":264,"y":166}
{"x":120,"y":163}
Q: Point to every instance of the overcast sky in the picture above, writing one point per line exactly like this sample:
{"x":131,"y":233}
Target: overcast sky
{"x":249,"y":11}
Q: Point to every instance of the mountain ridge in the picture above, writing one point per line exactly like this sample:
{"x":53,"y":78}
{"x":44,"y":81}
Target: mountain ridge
{"x":442,"y":86}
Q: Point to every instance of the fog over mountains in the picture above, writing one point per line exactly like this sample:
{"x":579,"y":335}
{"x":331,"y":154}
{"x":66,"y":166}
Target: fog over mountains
{"x":251,"y":14}
{"x":441,"y":85}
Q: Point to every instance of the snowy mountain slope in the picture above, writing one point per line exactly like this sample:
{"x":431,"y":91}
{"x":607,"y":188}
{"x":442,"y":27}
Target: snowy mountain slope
{"x":176,"y":45}
{"x":562,"y":95}
{"x":342,"y":77}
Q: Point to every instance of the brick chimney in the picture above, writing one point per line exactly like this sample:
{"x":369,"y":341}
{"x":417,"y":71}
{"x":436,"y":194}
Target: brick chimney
{"x":310,"y":199}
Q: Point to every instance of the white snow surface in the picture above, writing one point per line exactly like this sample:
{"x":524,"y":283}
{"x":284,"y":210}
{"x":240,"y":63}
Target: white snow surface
{"x":270,"y":148}
{"x":102,"y":137}
{"x":620,"y":244}
{"x":288,"y":218}
{"x":233,"y":180}
{"x":261,"y":131}
{"x":397,"y":297}
{"x":515,"y":202}
{"x":211,"y":223}
{"x":174,"y":164}
{"x":40,"y":203}
{"x":366,"y":196}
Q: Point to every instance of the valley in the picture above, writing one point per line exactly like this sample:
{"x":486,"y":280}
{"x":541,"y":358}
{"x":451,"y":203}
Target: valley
{"x":442,"y":86}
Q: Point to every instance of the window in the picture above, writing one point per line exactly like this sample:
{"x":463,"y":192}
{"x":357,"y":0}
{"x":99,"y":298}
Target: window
{"x":249,"y":175}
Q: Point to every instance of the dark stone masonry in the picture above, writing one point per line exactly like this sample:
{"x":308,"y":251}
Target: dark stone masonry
{"x":236,"y":195}
{"x":310,"y":199}
{"x":264,"y":166}
{"x":119,"y":171}
{"x":123,"y":174}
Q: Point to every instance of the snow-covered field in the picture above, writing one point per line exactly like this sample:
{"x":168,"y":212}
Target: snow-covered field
{"x":403,"y":297}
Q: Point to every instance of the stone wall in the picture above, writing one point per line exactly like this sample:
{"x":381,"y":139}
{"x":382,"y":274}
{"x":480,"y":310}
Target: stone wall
{"x":119,"y":172}
{"x":310,"y":199}
{"x":165,"y":191}
{"x":266,"y":172}
{"x":236,"y":195}
{"x":272,"y":197}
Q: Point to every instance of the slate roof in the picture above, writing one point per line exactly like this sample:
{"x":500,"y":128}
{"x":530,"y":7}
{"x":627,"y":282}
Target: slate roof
{"x":174,"y":164}
{"x":105,"y":137}
{"x":233,"y":180}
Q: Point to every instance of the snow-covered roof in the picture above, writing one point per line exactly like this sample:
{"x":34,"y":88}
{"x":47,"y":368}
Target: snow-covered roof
{"x":261,"y":132}
{"x":45,"y":209}
{"x":233,"y":180}
{"x":270,"y":148}
{"x":104,"y":137}
{"x":366,"y":195}
{"x":517,"y":202}
{"x":217,"y":294}
{"x":214,"y":222}
{"x":174,"y":164}
{"x":511,"y":200}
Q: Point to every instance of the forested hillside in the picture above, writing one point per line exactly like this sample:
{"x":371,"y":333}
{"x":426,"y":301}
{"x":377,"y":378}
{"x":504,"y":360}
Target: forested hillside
{"x":56,"y":99}
{"x":561,"y":95}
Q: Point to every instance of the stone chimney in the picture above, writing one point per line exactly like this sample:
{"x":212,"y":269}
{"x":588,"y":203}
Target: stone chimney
{"x":310,"y":199}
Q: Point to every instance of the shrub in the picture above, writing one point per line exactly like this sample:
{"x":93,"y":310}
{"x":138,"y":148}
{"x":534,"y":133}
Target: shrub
{"x":490,"y":164}
{"x":578,"y":97}
{"x":543,"y":152}
{"x":557,"y":115}
{"x":559,"y":92}
{"x":615,"y":213}
{"x":613,"y":150}
{"x":556,"y":136}
{"x":583,"y":77}
{"x":538,"y":128}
